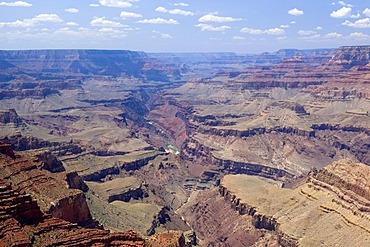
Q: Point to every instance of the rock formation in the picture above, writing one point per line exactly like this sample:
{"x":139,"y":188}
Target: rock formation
{"x":23,"y":224}
{"x":330,"y":208}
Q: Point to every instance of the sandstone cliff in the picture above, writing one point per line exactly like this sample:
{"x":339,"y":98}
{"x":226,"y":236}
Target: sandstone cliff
{"x":331,"y":208}
{"x":23,"y":224}
{"x":30,"y":174}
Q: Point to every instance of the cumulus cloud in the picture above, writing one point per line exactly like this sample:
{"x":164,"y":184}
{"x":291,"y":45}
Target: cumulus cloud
{"x":102,"y":22}
{"x":174,"y":11}
{"x":84,"y":33}
{"x":318,"y":28}
{"x":271,"y":31}
{"x":305,"y":32}
{"x":251,"y":30}
{"x":71,"y":10}
{"x":164,"y":35}
{"x":366,"y":12}
{"x":215,"y":18}
{"x":342,"y":12}
{"x":115,"y":3}
{"x":344,"y":4}
{"x":159,"y":21}
{"x":125,"y":14}
{"x":295,"y":12}
{"x":181,"y":4}
{"x":358,"y":35}
{"x":16,"y":4}
{"x":362,"y":23}
{"x":333,"y":35}
{"x":275,"y":31}
{"x":71,"y":23}
{"x":284,"y":26}
{"x":32,"y":22}
{"x":109,"y":30}
{"x":161,"y":9}
{"x":207,"y":27}
{"x":181,"y":12}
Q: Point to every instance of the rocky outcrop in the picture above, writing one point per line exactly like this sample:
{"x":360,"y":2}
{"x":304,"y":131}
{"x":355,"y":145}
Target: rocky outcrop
{"x":257,"y":131}
{"x":234,"y":167}
{"x":218,"y":224}
{"x":23,"y":143}
{"x":27,"y":93}
{"x":10,"y":117}
{"x":120,"y":189}
{"x":350,"y":56}
{"x":50,"y":189}
{"x":7,"y":150}
{"x":49,"y":161}
{"x":100,"y":173}
{"x":259,"y":221}
{"x":349,"y":177}
{"x":23,"y":224}
{"x":167,"y":239}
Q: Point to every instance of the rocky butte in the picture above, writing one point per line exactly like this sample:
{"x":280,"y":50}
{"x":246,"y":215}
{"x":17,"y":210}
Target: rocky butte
{"x":124,"y":148}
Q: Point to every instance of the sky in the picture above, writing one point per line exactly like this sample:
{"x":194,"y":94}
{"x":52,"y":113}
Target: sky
{"x":241,"y":26}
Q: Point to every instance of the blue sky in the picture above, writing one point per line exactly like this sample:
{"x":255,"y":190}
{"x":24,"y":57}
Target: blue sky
{"x":242,"y":26}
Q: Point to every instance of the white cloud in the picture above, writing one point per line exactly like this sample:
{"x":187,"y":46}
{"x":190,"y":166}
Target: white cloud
{"x":181,"y":12}
{"x":94,"y":5}
{"x":275,"y":31}
{"x":366,"y":12}
{"x":71,"y":24}
{"x":358,"y":15}
{"x":110,"y":30}
{"x":284,"y":26}
{"x":16,"y":4}
{"x":362,"y":23}
{"x":207,"y":27}
{"x":251,"y":31}
{"x":358,"y":35}
{"x":214,"y":18}
{"x":125,"y":14}
{"x":344,"y":4}
{"x":164,"y":35}
{"x":333,"y":35}
{"x":174,"y":11}
{"x":181,"y":4}
{"x":342,"y":13}
{"x":84,"y":33}
{"x":102,"y":22}
{"x":115,"y":3}
{"x":47,"y":18}
{"x":159,"y":21}
{"x":305,"y":32}
{"x":161,"y":9}
{"x":238,"y":38}
{"x":295,"y":12}
{"x":32,"y":22}
{"x":71,"y":10}
{"x":271,"y":31}
{"x":318,"y":28}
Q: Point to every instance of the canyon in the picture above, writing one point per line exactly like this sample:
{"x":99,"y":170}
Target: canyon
{"x":123,"y":148}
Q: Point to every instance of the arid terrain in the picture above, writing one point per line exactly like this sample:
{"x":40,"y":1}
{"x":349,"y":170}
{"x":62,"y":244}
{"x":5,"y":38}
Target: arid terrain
{"x":123,"y":148}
